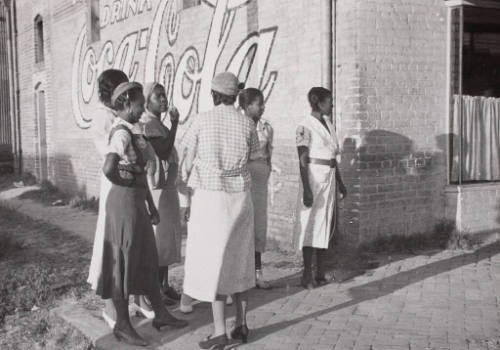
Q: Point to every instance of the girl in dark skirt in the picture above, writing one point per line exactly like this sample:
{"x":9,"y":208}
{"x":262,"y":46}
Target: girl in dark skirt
{"x":130,"y":260}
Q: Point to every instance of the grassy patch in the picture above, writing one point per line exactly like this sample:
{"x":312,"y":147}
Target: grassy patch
{"x":8,"y":245}
{"x":41,"y":330}
{"x":41,"y":265}
{"x":49,"y":194}
{"x":84,"y":203}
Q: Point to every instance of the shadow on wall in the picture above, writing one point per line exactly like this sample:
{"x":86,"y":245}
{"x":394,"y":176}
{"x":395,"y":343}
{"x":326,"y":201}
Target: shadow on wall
{"x":62,"y":182}
{"x":394,"y":188}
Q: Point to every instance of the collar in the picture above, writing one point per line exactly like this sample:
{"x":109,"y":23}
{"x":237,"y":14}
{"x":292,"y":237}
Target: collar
{"x":261,"y":125}
{"x":147,"y":116}
{"x":320,"y":126}
{"x":134,"y":128}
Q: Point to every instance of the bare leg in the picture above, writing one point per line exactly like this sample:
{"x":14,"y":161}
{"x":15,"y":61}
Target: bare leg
{"x":218,"y":312}
{"x":218,"y":339}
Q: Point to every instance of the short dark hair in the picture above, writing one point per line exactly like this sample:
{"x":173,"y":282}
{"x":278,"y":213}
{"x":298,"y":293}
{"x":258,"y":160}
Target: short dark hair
{"x":107,"y":82}
{"x":317,"y":95}
{"x":248,"y":96}
{"x":224,"y":99}
{"x":128,"y":96}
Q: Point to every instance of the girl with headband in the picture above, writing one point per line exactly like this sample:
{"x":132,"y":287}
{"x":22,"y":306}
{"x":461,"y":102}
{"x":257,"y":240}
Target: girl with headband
{"x":130,"y":260}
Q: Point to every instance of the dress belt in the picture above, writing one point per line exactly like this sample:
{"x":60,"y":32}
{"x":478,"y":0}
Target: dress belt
{"x":332,"y":163}
{"x":223,"y":172}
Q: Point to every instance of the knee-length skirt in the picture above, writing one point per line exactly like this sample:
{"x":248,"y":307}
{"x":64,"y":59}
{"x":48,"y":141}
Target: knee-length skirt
{"x":260,"y":171}
{"x":168,"y":232}
{"x":220,"y":245}
{"x":315,"y":226}
{"x":130,"y":260}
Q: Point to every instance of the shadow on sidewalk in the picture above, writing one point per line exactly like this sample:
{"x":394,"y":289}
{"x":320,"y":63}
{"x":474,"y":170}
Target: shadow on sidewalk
{"x":289,"y":286}
{"x":385,"y":286}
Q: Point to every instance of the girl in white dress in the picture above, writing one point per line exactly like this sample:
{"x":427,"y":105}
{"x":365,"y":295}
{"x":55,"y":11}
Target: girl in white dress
{"x":318,"y":148}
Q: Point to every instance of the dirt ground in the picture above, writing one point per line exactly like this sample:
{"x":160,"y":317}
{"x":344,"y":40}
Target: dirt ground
{"x":41,"y":266}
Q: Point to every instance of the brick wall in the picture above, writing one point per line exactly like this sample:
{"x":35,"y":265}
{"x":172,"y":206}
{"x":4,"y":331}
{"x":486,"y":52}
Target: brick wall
{"x":287,"y":61}
{"x":389,"y":80}
{"x":474,"y":208}
{"x":391,"y":103}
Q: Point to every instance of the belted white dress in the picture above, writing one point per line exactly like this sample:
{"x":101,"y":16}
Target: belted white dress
{"x":314,"y":227}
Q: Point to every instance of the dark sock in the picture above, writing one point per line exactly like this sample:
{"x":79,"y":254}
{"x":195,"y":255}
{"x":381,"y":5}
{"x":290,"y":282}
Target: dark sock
{"x":258,"y":261}
{"x":320,"y":262}
{"x":122,"y":316}
{"x":163,"y":276}
{"x":307,"y":253}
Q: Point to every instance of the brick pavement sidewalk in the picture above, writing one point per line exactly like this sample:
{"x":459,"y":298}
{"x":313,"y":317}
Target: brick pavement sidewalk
{"x":441,"y":300}
{"x":448,"y":300}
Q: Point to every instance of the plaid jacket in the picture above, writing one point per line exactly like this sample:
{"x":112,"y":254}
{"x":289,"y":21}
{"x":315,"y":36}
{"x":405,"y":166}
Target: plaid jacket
{"x":223,"y":140}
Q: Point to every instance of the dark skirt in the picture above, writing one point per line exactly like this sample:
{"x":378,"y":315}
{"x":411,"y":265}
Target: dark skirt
{"x":130,"y":260}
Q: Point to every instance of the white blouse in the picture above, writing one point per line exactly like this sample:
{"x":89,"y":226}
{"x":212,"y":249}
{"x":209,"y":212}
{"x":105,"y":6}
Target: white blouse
{"x":322,"y":143}
{"x":265,"y":136}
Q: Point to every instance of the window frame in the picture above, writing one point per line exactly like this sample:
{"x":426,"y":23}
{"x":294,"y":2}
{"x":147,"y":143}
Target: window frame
{"x":39,"y":39}
{"x":452,"y":5}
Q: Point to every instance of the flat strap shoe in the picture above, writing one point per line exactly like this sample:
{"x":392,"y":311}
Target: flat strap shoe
{"x":169,"y":321}
{"x":214,"y":343}
{"x":307,"y":282}
{"x":130,"y":339}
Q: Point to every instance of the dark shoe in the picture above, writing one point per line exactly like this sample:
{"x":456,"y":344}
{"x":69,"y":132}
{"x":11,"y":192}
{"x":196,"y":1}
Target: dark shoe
{"x":214,"y":343}
{"x":240,"y":332}
{"x":131,"y":339}
{"x":323,"y":279}
{"x":259,"y":280}
{"x":169,"y":321}
{"x":167,"y":301}
{"x":172,"y":293}
{"x":307,"y":281}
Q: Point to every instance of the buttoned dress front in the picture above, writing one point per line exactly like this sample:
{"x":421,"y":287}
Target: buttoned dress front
{"x":314,"y":227}
{"x":220,"y":243}
{"x":260,"y":170}
{"x":168,"y":233}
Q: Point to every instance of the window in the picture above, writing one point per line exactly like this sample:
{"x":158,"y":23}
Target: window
{"x":93,"y":25}
{"x":475,"y":91}
{"x":190,"y":3}
{"x":38,"y":39}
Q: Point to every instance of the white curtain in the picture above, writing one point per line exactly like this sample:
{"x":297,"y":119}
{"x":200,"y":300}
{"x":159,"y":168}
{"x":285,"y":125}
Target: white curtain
{"x":480,"y":138}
